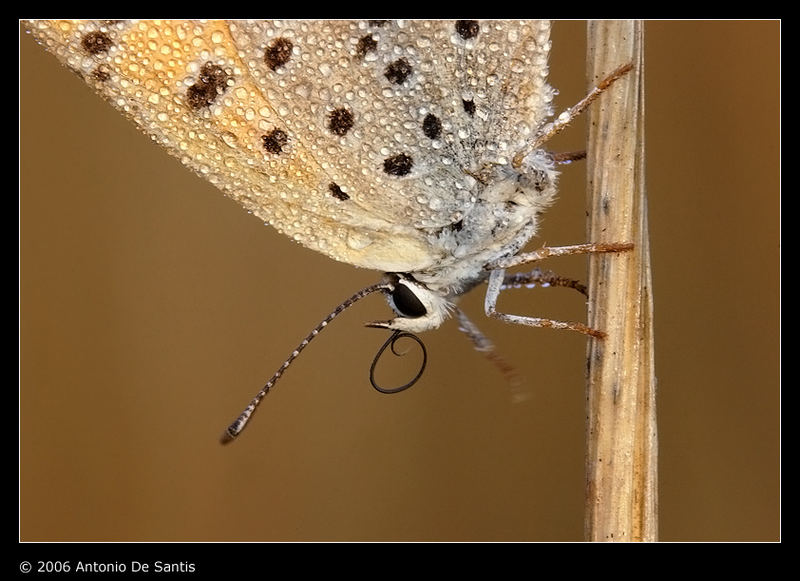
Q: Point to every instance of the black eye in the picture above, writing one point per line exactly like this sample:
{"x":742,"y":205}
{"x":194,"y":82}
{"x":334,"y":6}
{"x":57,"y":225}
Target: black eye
{"x":407,"y":303}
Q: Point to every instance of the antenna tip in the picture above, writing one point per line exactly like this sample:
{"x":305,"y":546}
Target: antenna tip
{"x":227,"y":437}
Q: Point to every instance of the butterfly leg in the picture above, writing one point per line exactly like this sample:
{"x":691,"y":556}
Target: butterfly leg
{"x":497,"y":278}
{"x":484,"y":345}
{"x":495,"y":285}
{"x":564,"y":119}
{"x":542,"y":278}
{"x":565,"y":157}
{"x":552,"y":251}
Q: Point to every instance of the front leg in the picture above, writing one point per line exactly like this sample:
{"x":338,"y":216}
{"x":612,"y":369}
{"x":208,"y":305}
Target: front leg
{"x":497,"y":278}
{"x":496,"y":283}
{"x":551,"y":251}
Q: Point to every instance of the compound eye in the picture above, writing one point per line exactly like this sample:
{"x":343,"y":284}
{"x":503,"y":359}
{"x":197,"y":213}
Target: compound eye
{"x":407,"y":303}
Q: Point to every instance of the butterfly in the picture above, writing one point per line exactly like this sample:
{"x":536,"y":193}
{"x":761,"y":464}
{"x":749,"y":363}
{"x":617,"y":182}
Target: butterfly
{"x":410,"y":147}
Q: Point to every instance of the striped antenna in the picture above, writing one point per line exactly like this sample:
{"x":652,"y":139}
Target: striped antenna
{"x":239,"y":424}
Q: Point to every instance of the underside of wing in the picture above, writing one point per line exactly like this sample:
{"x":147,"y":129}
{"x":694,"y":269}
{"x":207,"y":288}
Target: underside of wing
{"x":359,"y":139}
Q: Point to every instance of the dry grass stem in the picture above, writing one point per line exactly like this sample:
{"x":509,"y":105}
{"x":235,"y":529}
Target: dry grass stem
{"x":621,"y":436}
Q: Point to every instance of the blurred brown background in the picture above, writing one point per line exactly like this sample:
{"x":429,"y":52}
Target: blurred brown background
{"x":152,"y":308}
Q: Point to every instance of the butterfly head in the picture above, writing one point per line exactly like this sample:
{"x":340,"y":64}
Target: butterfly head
{"x":418,"y":308}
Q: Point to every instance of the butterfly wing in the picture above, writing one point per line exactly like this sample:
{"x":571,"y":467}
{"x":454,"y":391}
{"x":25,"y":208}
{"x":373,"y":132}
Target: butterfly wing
{"x":359,"y":139}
